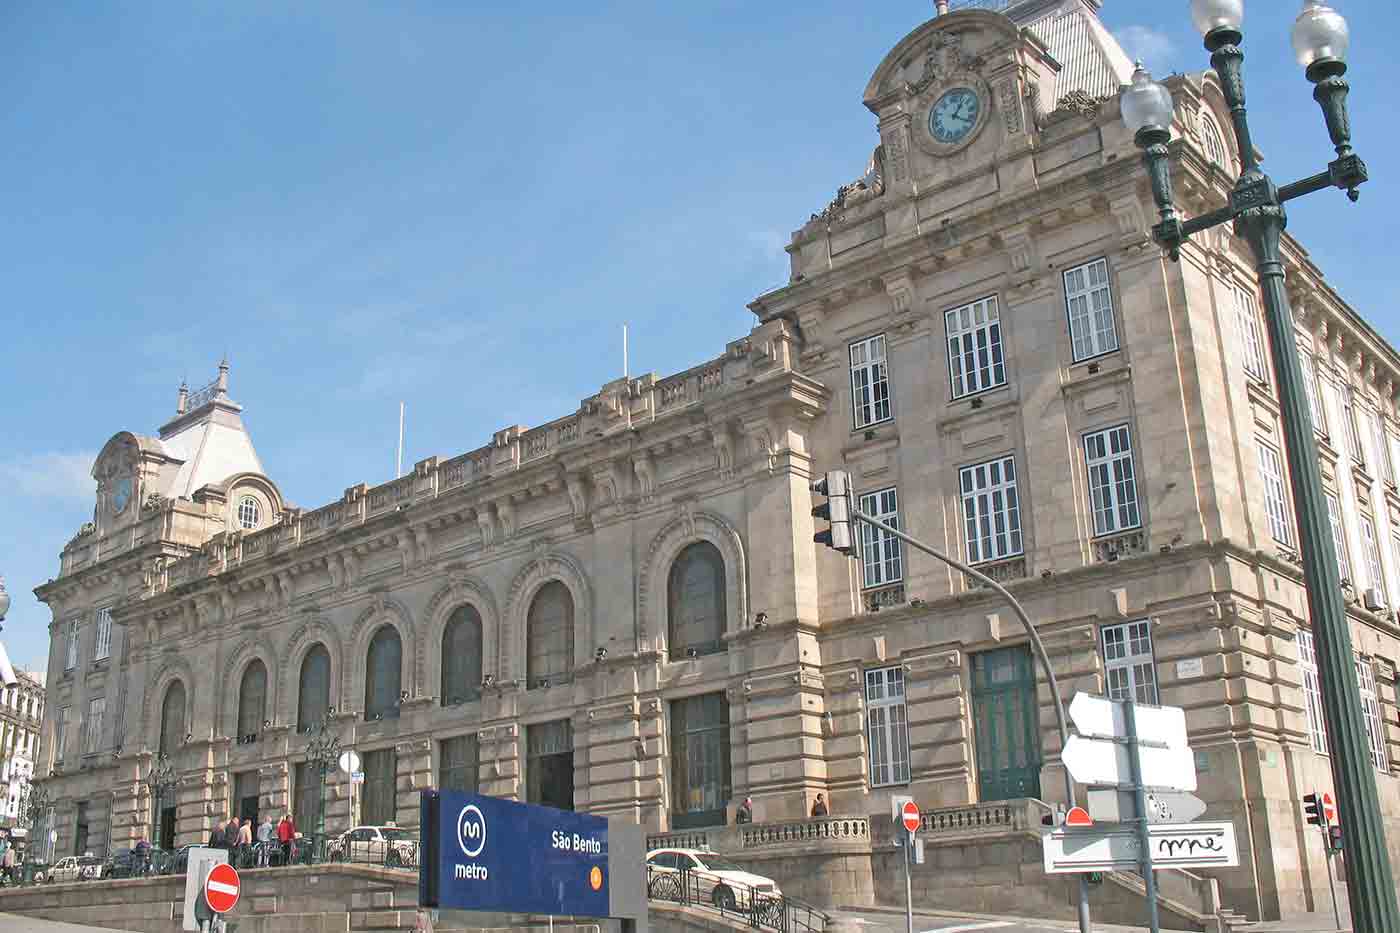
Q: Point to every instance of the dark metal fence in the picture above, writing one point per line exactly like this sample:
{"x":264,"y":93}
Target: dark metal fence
{"x":760,"y":909}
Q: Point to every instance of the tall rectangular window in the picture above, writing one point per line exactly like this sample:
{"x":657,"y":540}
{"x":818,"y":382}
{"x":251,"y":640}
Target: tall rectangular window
{"x":1310,"y":388}
{"x":1312,"y":690}
{"x":1251,"y":341}
{"x":71,"y":660}
{"x":458,"y":764}
{"x":1128,"y":664}
{"x":880,"y":553}
{"x":1275,"y":495}
{"x":1108,"y":454}
{"x":887,"y":726}
{"x":700,"y":761}
{"x":1353,"y":433}
{"x":991,"y":510}
{"x":549,"y":764}
{"x":1339,"y":535}
{"x":1382,"y":448}
{"x":1372,"y":550}
{"x":104,"y":635}
{"x":1089,"y":302}
{"x":379,"y":804}
{"x":975,"y":360}
{"x":308,"y":796}
{"x":1375,"y":728}
{"x":97,"y":709}
{"x":60,"y":733}
{"x":80,"y":829}
{"x":870,"y":381}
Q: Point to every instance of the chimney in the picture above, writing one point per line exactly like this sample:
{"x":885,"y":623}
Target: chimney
{"x":182,"y":400}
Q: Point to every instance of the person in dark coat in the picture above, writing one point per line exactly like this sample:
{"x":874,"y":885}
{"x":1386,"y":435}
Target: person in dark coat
{"x":231,"y":835}
{"x":745,"y":812}
{"x":216,"y":837}
{"x":819,"y":808}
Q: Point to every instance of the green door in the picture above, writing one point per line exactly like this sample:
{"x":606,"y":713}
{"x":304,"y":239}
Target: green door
{"x":1007,"y":724}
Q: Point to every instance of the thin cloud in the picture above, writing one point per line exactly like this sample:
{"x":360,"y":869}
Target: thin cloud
{"x":1143,"y":43}
{"x":66,"y":477}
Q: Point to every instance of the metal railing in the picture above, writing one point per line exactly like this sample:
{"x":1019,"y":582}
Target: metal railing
{"x":759,"y":908}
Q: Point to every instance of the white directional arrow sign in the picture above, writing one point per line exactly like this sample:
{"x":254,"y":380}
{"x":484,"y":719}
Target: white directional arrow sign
{"x":1163,"y":806}
{"x":1102,"y":761}
{"x":1156,"y":725}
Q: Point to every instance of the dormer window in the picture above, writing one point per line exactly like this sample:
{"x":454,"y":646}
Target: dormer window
{"x":249,"y":513}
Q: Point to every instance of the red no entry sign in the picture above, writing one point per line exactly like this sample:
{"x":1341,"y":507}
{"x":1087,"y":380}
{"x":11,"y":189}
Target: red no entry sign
{"x":221,"y":890}
{"x":910,"y":816}
{"x":1329,"y":808}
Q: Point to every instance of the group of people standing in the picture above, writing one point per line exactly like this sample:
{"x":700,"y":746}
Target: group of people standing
{"x":238,"y":837}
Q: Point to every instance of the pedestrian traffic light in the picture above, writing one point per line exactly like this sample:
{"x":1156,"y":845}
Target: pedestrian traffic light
{"x":1334,"y":838}
{"x":836,"y":487}
{"x":1312,"y":806}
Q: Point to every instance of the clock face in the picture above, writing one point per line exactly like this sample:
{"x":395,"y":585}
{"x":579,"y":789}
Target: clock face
{"x":121,"y":493}
{"x":954,"y":115}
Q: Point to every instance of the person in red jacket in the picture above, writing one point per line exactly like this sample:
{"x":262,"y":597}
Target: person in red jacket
{"x":286,"y":832}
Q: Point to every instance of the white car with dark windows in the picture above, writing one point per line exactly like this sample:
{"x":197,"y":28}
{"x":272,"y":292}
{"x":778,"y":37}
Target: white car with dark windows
{"x":707,"y":875}
{"x":75,"y":868}
{"x":378,"y":845}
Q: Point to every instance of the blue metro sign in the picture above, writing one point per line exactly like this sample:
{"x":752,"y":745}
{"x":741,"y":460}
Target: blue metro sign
{"x":486,"y":853}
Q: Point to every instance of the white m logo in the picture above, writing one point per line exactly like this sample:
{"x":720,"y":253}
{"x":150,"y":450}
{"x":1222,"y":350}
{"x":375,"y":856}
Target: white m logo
{"x":471,"y":831}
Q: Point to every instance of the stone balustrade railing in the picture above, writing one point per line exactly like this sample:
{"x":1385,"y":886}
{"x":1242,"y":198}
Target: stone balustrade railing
{"x":824,"y":829}
{"x":994,"y":817}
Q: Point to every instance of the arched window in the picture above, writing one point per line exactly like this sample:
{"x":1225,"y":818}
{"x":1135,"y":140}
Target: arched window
{"x":461,"y":656}
{"x":249,"y":513}
{"x":172,"y":719}
{"x":1211,"y":139}
{"x":383,"y":674}
{"x":549,"y":637}
{"x":313,"y":687}
{"x":252,"y":701}
{"x":695,"y":601}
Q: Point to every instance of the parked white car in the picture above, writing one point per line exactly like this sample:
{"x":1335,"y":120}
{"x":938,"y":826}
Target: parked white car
{"x":75,"y":868}
{"x":378,"y":845}
{"x":711,"y":876}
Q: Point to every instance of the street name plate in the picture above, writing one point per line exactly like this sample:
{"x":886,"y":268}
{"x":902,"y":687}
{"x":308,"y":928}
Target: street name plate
{"x":1117,"y":848}
{"x":1103,"y":761}
{"x":1156,"y":725}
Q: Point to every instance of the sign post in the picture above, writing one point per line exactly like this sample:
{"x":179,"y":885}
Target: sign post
{"x":909,"y":817}
{"x":1149,"y":879}
{"x":202,"y":860}
{"x":222,"y":888}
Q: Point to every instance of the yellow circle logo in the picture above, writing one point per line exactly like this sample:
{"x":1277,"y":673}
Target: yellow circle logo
{"x":595,"y":878}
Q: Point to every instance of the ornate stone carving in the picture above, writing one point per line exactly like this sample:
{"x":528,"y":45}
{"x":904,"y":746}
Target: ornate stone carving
{"x":578,"y":494}
{"x":901,"y":291}
{"x":945,"y":57}
{"x":896,"y":146}
{"x":1010,"y":104}
{"x":645,"y":468}
{"x":486,"y":525}
{"x":1078,"y":103}
{"x":868,"y":186}
{"x":505,"y":513}
{"x":153,"y":502}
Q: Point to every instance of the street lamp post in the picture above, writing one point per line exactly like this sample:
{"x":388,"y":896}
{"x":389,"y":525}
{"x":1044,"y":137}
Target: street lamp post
{"x":1256,"y":210}
{"x":161,"y":780}
{"x":322,"y":751}
{"x":35,"y":808}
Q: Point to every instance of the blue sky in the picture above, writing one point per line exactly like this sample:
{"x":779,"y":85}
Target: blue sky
{"x":457,"y":205}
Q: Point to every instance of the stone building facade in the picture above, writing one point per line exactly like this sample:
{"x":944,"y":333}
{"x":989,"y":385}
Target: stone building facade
{"x":21,"y":712}
{"x":623,"y":611}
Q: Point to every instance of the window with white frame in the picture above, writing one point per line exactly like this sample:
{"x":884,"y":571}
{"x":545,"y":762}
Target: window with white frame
{"x":1371,"y":547}
{"x":1108,"y":455}
{"x":1128,"y":664}
{"x":1211,"y":139}
{"x":249,"y":513}
{"x":1375,"y":730}
{"x":1382,"y":447}
{"x":1275,"y":495}
{"x":880,"y":552}
{"x":991,"y":510}
{"x":60,"y":733}
{"x":887,"y":726}
{"x":1339,"y":535}
{"x":97,"y":708}
{"x":870,"y":381}
{"x":1089,"y":303}
{"x":975,"y":360}
{"x":104,"y":635}
{"x":1310,"y":388}
{"x":1354,"y":449}
{"x":1251,"y":340}
{"x":1312,"y":690}
{"x":71,"y":659}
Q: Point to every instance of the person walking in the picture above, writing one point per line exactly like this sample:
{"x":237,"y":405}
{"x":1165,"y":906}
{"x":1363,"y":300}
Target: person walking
{"x":819,"y":807}
{"x":266,"y":833}
{"x":286,"y":832}
{"x":7,"y":864}
{"x":745,"y":812}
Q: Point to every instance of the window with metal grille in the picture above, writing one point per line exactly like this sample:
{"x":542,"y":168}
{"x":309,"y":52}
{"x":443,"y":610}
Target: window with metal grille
{"x":1339,"y":535}
{"x":97,"y":709}
{"x":549,"y":765}
{"x":887,"y":726}
{"x":1312,"y":690}
{"x":1275,"y":495}
{"x":172,"y":719}
{"x":1353,"y":433}
{"x":308,"y":796}
{"x":1108,"y":455}
{"x":249,"y":513}
{"x":380,"y":803}
{"x":252,"y":700}
{"x":975,"y":360}
{"x":313,"y":687}
{"x":1089,"y":303}
{"x":991,"y":510}
{"x":880,"y":555}
{"x":1375,"y":730}
{"x":870,"y":381}
{"x":459,"y":764}
{"x":461,"y":656}
{"x":104,"y":635}
{"x":1128,"y":664}
{"x":1310,"y":388}
{"x":549,"y":636}
{"x":1211,"y":139}
{"x":383,"y":674}
{"x":700,"y":761}
{"x":1251,"y":340}
{"x":695,"y":601}
{"x":1371,"y":548}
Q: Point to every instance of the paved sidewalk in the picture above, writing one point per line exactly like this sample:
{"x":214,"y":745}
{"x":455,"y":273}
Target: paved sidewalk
{"x":891,"y":920}
{"x":14,"y":923}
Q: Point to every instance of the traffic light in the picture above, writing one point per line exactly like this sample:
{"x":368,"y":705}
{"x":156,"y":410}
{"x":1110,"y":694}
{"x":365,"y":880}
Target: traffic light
{"x":836,"y":487}
{"x":1334,"y":838}
{"x":1312,"y":806}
